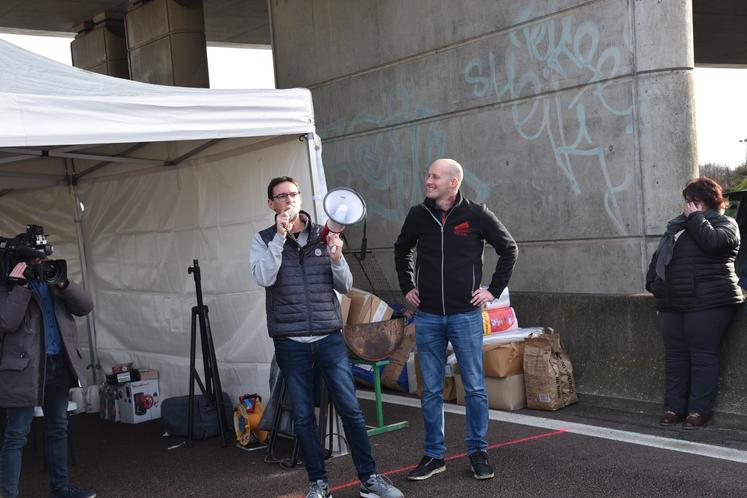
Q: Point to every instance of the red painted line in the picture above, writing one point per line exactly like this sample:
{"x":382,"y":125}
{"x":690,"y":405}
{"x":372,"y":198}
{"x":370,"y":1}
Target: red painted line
{"x":454,"y":457}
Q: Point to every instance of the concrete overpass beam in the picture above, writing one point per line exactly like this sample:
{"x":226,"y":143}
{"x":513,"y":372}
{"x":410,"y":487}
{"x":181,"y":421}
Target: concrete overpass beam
{"x":100,"y":45}
{"x":166,"y":42}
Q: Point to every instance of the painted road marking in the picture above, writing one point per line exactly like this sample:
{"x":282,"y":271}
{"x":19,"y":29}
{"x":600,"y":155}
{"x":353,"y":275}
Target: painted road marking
{"x":455,"y":456}
{"x":638,"y":438}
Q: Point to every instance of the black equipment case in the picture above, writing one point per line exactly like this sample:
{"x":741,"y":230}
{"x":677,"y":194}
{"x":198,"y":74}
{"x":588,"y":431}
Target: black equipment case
{"x":175,"y":411}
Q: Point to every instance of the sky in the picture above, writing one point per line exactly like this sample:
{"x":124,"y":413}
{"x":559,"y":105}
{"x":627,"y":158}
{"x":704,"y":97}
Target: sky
{"x":720,"y":94}
{"x":227,"y":67}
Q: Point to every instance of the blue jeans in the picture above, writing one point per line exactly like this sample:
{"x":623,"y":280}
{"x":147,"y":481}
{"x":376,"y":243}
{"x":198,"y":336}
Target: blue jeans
{"x":297,"y":361}
{"x":692,"y":342}
{"x":18,"y":424}
{"x":465,"y":332}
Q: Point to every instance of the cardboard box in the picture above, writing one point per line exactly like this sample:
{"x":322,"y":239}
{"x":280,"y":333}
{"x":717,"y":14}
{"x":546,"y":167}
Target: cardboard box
{"x":505,"y":393}
{"x":138,"y":401}
{"x":502,"y":360}
{"x":360,"y":306}
{"x":344,"y":308}
{"x":367,"y":308}
{"x":449,"y":393}
{"x":148,"y":374}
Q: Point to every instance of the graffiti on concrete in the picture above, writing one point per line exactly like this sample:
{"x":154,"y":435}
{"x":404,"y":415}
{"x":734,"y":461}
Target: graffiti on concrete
{"x":555,"y":50}
{"x":389,"y":167}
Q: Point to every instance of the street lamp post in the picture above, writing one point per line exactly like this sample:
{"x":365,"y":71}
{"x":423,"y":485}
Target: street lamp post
{"x":744,"y":141}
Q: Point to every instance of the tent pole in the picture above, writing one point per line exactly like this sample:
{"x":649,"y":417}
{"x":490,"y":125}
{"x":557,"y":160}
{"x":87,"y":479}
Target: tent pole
{"x":90,"y":318}
{"x":318,"y":178}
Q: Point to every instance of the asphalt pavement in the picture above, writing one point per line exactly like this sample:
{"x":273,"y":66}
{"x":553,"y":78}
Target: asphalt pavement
{"x":577,"y":451}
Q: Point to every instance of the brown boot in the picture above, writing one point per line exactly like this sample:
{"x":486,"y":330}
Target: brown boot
{"x":669,"y":419}
{"x":695,"y":421}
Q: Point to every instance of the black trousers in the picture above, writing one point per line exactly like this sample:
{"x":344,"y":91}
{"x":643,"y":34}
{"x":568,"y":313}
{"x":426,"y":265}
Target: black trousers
{"x":692,"y":342}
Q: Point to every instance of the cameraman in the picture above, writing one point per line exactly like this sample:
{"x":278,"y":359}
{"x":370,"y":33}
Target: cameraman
{"x":39,"y":362}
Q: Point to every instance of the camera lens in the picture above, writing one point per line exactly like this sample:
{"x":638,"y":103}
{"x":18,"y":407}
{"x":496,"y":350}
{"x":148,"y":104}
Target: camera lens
{"x":50,"y":272}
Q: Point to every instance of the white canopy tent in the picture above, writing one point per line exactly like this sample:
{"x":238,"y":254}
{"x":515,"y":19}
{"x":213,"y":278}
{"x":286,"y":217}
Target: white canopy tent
{"x":132,"y":182}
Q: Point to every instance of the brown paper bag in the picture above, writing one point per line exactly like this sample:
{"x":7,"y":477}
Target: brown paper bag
{"x":548,"y":372}
{"x":398,"y":360}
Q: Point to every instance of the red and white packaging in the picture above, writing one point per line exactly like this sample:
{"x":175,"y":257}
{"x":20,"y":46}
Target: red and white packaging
{"x":498,"y":320}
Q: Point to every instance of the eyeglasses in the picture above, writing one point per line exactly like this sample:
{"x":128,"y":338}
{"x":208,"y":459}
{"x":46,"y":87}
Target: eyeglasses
{"x":282,"y":197}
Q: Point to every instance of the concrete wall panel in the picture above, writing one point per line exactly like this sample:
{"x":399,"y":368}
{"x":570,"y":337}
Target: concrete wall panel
{"x":573,"y":120}
{"x":389,"y":30}
{"x":325,"y":38}
{"x":668,"y":146}
{"x":189,"y":59}
{"x":541,"y":57}
{"x":541,"y":102}
{"x":166,"y":43}
{"x":147,"y":63}
{"x":147,"y":22}
{"x":102,"y":49}
{"x":599,"y":266}
{"x":664,"y":34}
{"x":550,"y":168}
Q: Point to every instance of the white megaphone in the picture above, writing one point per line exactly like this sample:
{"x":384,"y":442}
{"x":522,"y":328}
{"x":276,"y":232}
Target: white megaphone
{"x":343,"y":206}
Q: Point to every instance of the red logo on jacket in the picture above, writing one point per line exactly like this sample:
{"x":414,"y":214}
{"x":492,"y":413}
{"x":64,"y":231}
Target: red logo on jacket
{"x":462,"y":229}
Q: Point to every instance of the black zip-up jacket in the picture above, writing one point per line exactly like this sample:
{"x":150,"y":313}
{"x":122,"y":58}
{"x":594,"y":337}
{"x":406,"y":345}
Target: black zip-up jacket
{"x":449,"y":260}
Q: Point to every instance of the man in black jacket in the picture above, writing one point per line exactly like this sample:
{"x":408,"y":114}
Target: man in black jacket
{"x":444,"y":285}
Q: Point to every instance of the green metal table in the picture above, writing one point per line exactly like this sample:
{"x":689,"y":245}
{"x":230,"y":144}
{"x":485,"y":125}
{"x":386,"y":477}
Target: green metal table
{"x":380,"y":428}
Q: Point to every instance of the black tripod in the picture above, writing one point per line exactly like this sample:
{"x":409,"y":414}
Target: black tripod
{"x":211,"y":390}
{"x":326,"y":423}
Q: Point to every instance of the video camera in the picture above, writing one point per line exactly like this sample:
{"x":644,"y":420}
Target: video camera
{"x":24,"y":248}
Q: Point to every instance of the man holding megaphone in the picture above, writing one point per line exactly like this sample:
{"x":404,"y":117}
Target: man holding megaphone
{"x":300,"y":269}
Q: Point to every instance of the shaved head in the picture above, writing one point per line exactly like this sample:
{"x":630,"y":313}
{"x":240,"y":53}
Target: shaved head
{"x":451,"y":168}
{"x":443,"y":181}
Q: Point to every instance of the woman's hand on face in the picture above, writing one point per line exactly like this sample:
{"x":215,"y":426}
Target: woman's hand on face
{"x":692,"y":207}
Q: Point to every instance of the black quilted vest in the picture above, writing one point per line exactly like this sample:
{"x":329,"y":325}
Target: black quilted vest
{"x":302,"y":300}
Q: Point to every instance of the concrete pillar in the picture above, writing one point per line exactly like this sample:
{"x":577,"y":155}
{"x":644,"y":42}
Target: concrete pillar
{"x":166,"y":42}
{"x":100,"y":45}
{"x":573,"y":120}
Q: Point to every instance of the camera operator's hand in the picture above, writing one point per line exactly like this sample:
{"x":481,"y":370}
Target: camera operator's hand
{"x":17,"y":274}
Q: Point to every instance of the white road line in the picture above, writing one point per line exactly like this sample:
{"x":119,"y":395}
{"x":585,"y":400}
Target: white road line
{"x":664,"y":443}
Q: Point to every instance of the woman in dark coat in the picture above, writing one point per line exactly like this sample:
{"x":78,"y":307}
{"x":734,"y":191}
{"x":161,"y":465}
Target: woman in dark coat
{"x":693,"y":279}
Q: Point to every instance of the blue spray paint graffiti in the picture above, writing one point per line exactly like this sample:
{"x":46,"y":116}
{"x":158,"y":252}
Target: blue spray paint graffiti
{"x":389,"y":167}
{"x":558,"y":47}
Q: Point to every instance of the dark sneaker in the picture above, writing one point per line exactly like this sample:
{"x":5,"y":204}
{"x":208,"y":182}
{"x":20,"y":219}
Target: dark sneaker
{"x":481,"y":469}
{"x":378,"y":486}
{"x":71,"y":492}
{"x":318,"y":489}
{"x":426,"y":468}
{"x":669,"y":419}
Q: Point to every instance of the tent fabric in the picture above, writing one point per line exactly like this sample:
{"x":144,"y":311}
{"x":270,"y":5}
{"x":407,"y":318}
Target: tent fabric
{"x":207,"y":209}
{"x":141,"y":225}
{"x":44,"y":103}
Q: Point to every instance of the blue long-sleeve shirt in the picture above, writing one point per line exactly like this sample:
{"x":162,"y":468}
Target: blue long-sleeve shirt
{"x":52,"y":338}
